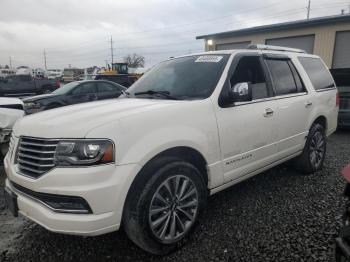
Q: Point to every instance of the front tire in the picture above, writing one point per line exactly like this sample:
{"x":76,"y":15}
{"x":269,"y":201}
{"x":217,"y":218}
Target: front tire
{"x":314,"y":153}
{"x":164,"y":204}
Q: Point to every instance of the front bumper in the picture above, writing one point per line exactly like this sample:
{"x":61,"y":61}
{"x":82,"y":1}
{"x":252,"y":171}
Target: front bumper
{"x":103,"y":187}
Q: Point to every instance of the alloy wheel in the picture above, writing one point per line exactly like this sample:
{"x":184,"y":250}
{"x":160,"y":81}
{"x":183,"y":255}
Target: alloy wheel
{"x":317,"y":149}
{"x":173,"y":209}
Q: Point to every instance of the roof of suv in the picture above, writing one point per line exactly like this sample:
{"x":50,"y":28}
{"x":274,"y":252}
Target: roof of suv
{"x":229,"y":52}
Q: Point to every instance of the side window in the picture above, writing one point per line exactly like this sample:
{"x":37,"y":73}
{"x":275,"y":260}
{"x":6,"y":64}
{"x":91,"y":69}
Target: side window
{"x":297,"y":78}
{"x":83,"y":89}
{"x":250,"y":70}
{"x":24,"y":78}
{"x":11,"y":79}
{"x":106,"y":87}
{"x":282,"y":76}
{"x":319,"y":75}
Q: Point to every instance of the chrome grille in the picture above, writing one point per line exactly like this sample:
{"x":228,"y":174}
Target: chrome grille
{"x":35,"y":156}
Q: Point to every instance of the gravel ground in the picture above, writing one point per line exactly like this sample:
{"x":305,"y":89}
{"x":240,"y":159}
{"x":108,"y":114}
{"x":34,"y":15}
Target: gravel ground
{"x":279,"y":215}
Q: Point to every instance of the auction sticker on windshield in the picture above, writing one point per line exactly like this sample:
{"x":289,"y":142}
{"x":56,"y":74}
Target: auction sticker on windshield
{"x":208,"y":59}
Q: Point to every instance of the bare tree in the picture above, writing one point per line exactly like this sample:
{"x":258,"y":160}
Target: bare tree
{"x":135,"y":60}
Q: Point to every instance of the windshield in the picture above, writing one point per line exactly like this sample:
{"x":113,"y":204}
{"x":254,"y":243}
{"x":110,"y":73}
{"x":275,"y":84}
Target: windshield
{"x":192,"y":77}
{"x":65,"y":89}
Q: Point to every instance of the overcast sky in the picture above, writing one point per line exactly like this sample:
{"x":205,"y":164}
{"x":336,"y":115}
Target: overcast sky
{"x":78,"y":32}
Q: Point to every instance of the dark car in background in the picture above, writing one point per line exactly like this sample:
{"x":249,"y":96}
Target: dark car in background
{"x":342,"y":79}
{"x":73,"y":93}
{"x":26,"y":85}
{"x":344,"y":106}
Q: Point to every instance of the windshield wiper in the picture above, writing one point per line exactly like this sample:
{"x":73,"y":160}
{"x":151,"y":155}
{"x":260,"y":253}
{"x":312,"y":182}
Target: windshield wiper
{"x":154,"y":92}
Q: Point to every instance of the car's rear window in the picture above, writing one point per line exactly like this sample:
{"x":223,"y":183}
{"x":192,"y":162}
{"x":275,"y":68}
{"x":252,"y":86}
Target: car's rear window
{"x":319,"y":75}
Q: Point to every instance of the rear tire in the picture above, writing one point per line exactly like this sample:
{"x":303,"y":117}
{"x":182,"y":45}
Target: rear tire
{"x":312,"y":158}
{"x":164,"y":204}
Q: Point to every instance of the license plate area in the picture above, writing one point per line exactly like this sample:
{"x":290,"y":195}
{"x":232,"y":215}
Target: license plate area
{"x":11,"y":202}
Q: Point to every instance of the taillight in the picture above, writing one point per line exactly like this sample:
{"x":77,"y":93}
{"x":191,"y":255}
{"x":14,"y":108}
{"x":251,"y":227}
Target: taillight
{"x":58,"y":84}
{"x":337,"y":100}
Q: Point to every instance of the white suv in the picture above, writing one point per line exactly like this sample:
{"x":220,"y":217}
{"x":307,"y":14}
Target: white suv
{"x":190,"y":127}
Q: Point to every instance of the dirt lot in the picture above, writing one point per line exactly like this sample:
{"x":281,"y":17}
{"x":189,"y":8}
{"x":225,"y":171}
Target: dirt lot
{"x":277,"y":216}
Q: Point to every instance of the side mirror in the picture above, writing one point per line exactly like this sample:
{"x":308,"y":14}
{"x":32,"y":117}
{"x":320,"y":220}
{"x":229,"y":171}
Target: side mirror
{"x":241,"y":92}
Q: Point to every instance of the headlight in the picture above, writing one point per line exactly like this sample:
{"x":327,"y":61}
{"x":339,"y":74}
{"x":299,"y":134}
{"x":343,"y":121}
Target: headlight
{"x":84,"y":152}
{"x":31,"y":105}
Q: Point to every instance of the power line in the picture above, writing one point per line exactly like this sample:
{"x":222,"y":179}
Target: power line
{"x":183,"y":25}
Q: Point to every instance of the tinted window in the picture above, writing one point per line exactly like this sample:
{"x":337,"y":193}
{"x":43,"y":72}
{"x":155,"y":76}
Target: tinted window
{"x":24,"y":78}
{"x":249,"y":70}
{"x":297,"y":78}
{"x":83,"y":89}
{"x":319,"y":75}
{"x":106,"y":87}
{"x":282,"y":76}
{"x":191,"y":77}
{"x":12,"y":79}
{"x":66,"y":88}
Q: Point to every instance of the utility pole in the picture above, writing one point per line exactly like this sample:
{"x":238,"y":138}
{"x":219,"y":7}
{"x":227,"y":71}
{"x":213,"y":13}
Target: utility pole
{"x":45,"y":58}
{"x":308,"y":10}
{"x":10,"y":62}
{"x":112,"y":50}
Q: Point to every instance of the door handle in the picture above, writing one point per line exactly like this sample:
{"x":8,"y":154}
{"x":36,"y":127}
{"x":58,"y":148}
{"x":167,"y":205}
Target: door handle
{"x":308,"y":104}
{"x":268,"y":112}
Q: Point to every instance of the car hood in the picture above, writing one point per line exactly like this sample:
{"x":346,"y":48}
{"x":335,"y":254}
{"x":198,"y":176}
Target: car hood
{"x":5,"y":101}
{"x":37,"y":98}
{"x":75,"y":121}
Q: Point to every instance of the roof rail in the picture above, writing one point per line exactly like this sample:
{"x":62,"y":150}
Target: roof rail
{"x":276,"y":48}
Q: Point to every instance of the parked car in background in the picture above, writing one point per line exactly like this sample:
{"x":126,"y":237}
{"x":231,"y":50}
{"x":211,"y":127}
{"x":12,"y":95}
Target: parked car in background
{"x":190,"y":127}
{"x":72,"y":74}
{"x":73,"y":93}
{"x":6,"y":72}
{"x":344,"y":106}
{"x":26,"y":85}
{"x":343,"y":240}
{"x":11,"y":109}
{"x":54,"y":74}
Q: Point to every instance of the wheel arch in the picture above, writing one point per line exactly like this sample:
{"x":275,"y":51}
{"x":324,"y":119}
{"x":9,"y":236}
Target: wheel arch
{"x":322,"y":120}
{"x":188,"y":154}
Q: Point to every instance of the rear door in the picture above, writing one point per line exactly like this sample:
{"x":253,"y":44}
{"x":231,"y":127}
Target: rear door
{"x":294,"y":105}
{"x":107,"y":90}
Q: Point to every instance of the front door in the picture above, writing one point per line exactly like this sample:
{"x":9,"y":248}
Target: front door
{"x":248,"y":134}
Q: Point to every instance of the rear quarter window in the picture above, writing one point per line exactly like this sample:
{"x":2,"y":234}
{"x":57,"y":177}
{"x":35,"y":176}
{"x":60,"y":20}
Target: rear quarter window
{"x":319,"y":75}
